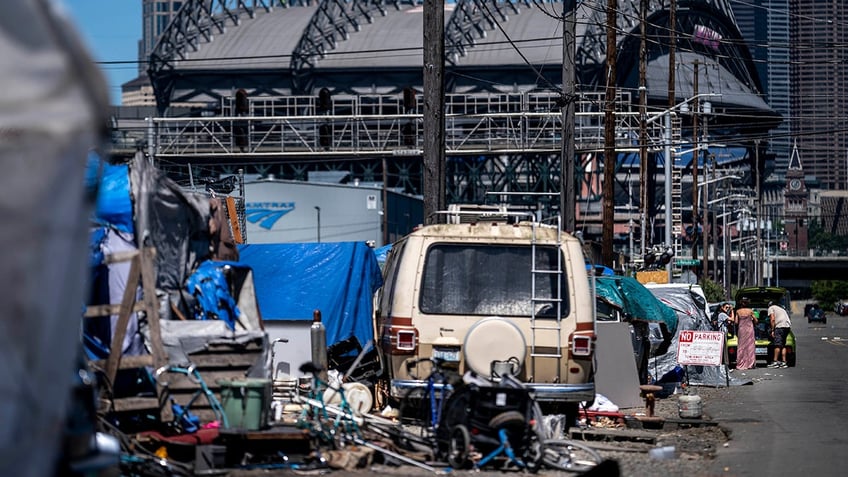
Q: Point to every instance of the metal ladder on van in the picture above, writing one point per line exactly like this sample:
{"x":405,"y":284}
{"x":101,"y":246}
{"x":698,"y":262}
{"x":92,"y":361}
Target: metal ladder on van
{"x":538,"y":325}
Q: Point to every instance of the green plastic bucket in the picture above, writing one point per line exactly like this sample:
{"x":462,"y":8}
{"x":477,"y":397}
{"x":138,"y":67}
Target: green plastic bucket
{"x":246,"y":403}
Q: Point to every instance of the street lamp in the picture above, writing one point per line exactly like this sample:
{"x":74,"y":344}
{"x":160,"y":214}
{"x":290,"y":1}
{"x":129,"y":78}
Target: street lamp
{"x":668,"y":161}
{"x":725,"y":274}
{"x":318,"y":210}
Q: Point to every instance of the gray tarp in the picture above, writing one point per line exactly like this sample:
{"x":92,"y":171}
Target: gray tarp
{"x":690,"y":316}
{"x":53,"y":107}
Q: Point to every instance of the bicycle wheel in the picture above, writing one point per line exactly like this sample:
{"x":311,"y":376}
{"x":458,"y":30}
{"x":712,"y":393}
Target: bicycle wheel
{"x":459,"y":447}
{"x":569,"y":455}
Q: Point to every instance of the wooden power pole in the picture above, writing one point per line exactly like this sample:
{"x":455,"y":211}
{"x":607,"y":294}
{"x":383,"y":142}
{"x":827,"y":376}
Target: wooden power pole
{"x":644,"y":201}
{"x":568,"y":196}
{"x":609,"y":139}
{"x":434,"y":110}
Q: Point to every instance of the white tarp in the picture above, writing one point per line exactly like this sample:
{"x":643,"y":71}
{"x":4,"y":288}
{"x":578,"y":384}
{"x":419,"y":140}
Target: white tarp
{"x":53,"y":103}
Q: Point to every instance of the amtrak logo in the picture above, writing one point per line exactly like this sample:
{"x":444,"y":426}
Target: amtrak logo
{"x":266,"y":214}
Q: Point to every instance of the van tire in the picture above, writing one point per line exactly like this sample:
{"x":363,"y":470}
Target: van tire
{"x":507,"y":419}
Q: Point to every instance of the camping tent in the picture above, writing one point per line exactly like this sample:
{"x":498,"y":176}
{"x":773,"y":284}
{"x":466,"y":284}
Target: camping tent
{"x":339,"y":279}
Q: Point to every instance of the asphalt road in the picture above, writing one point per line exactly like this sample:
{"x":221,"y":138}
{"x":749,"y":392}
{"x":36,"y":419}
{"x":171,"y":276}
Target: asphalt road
{"x":793,"y":420}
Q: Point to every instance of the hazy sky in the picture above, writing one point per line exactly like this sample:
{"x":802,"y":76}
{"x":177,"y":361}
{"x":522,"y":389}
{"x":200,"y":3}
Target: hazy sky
{"x":112,"y":30}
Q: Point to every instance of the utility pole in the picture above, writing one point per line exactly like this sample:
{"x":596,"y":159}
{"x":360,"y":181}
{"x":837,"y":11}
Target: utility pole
{"x":434,"y":110}
{"x":644,"y":202}
{"x":568,"y":196}
{"x":695,"y":112}
{"x":609,"y":139}
{"x":758,"y":211}
{"x":706,"y":195}
{"x":672,"y":44}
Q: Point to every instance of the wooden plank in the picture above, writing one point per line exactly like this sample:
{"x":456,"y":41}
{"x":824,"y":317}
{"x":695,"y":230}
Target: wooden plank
{"x":120,"y":256}
{"x":135,"y":404}
{"x":224,"y":360}
{"x":232,"y":214}
{"x":127,"y":362}
{"x":151,"y":303}
{"x":253,"y":345}
{"x":181,"y":382}
{"x":92,"y":311}
{"x":127,"y":302}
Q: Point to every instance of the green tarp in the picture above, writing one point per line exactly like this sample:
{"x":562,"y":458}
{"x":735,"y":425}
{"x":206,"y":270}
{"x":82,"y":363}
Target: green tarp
{"x":634,"y":299}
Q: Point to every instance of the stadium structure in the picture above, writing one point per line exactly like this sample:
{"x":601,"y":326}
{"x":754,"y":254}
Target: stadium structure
{"x":285,"y":88}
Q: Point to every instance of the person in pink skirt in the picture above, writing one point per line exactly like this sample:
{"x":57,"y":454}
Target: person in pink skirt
{"x":746,"y":322}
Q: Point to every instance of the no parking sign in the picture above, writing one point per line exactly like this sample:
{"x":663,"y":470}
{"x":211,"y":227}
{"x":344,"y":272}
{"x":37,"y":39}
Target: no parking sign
{"x":700,"y":348}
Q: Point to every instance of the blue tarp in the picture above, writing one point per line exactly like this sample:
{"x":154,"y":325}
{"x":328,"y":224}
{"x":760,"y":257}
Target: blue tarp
{"x":633,"y":298}
{"x":339,"y":279}
{"x":114,"y":205}
{"x":208,"y":284}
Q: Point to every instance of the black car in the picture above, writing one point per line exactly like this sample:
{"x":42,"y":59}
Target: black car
{"x":813,"y":312}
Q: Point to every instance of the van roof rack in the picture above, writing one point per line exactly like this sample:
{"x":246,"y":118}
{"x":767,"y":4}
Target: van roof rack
{"x":472,"y":213}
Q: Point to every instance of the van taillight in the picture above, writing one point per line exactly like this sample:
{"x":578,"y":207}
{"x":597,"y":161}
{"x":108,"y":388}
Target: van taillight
{"x":405,"y":340}
{"x":581,"y":345}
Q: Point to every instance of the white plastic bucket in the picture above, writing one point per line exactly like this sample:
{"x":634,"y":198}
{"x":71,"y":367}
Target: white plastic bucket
{"x":689,"y":406}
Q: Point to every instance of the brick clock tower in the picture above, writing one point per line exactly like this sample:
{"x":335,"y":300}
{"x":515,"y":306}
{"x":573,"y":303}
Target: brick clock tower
{"x":796,"y":197}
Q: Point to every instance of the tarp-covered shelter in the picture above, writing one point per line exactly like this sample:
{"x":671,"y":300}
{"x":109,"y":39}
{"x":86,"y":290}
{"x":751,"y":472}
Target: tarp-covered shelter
{"x":337,"y":278}
{"x":690,"y":316}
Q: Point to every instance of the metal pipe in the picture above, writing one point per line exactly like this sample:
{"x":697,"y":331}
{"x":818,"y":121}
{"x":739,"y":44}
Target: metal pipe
{"x":667,"y":170}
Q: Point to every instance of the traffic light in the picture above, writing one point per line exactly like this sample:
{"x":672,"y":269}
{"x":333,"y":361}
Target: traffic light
{"x":407,"y":132}
{"x":408,"y":99}
{"x":241,"y":127}
{"x":242,"y":103}
{"x":325,"y":138}
{"x":325,"y":101}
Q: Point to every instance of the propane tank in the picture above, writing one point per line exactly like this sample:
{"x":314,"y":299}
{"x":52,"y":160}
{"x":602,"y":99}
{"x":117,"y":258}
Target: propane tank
{"x":689,"y":406}
{"x":318,"y":338}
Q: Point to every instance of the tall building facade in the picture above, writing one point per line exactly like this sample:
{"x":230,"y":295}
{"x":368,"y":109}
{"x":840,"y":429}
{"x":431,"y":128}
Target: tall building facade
{"x":155,"y":16}
{"x":819,"y":72}
{"x":764,"y":25}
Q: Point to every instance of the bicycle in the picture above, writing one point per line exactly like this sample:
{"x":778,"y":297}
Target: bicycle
{"x":502,"y":420}
{"x":425,"y":405}
{"x":194,"y":376}
{"x":335,"y":431}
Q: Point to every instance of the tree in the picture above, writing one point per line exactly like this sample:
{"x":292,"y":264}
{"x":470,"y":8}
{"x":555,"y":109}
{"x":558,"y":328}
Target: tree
{"x":712,"y":290}
{"x":828,"y":292}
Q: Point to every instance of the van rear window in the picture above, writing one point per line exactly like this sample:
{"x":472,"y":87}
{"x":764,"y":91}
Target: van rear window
{"x":486,"y":280}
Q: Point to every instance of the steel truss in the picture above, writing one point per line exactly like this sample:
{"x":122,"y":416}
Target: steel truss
{"x":513,"y":150}
{"x":196,"y":21}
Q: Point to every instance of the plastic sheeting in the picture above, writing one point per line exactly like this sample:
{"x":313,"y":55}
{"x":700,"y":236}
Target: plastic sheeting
{"x":114,"y":204}
{"x":690,"y":316}
{"x":172,"y":220}
{"x":634,"y":299}
{"x":339,"y":279}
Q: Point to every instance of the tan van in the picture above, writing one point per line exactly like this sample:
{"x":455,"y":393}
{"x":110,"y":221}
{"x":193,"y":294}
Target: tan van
{"x":490,"y":287}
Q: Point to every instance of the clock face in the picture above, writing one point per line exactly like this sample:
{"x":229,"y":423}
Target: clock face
{"x":794,"y":184}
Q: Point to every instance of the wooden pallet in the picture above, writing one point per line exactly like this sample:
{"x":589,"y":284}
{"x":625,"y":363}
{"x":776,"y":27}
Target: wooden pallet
{"x":141,"y":271}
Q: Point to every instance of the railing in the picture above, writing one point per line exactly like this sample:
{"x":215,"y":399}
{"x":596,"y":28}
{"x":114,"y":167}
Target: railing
{"x":373,"y":124}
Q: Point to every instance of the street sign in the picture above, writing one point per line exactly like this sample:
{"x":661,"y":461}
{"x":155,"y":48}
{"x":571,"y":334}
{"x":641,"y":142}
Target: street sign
{"x":700,"y":348}
{"x":685,"y":262}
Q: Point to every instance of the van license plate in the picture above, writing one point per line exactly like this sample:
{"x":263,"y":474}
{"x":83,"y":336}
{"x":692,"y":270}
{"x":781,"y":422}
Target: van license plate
{"x":761,"y":351}
{"x":446,"y":354}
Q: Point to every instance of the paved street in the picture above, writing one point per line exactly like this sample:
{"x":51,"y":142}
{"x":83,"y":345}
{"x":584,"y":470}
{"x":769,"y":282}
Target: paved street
{"x":791,"y":420}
